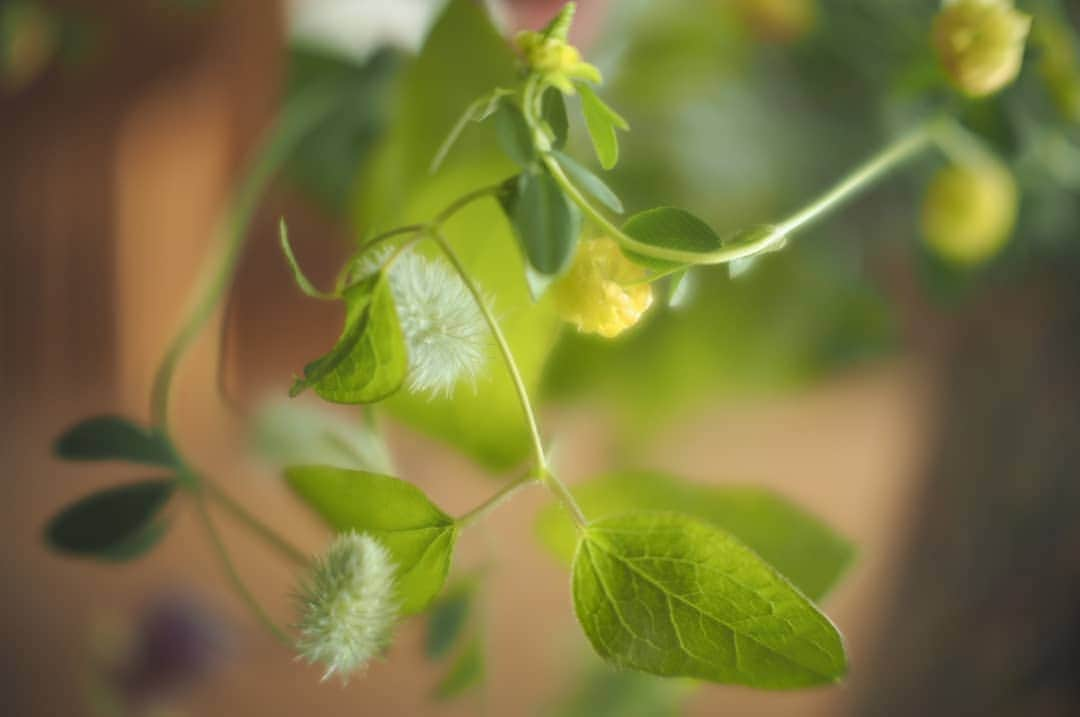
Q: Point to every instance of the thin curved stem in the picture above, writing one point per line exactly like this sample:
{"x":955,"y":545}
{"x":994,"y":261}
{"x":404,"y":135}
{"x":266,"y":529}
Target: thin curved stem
{"x":495,"y":501}
{"x":462,"y":202}
{"x":234,"y":576}
{"x":293,"y":126}
{"x":863,"y":176}
{"x":549,"y":478}
{"x":256,"y":526}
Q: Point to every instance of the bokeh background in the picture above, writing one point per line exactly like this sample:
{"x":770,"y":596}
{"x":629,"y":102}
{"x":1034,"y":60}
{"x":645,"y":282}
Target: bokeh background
{"x":929,"y":413}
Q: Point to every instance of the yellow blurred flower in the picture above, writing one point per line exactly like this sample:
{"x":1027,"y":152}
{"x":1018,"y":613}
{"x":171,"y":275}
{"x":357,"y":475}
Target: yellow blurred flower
{"x":600,"y":293}
{"x":980,"y":43}
{"x":970,"y":212}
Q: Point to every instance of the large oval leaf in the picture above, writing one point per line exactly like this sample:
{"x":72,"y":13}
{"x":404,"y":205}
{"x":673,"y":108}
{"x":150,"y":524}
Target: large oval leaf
{"x":369,"y":361}
{"x":116,"y":524}
{"x":115,"y":438}
{"x":417,"y":533}
{"x":546,"y":223}
{"x":799,"y":545}
{"x":672,"y":596}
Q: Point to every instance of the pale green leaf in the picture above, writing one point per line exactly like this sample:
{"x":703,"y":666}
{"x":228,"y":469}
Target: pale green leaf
{"x":546,"y":223}
{"x":370,"y":360}
{"x":803,"y":548}
{"x":601,"y":121}
{"x":419,"y":535}
{"x":588,"y":181}
{"x":485,"y":422}
{"x":115,"y":524}
{"x":114,"y":438}
{"x":670,"y":595}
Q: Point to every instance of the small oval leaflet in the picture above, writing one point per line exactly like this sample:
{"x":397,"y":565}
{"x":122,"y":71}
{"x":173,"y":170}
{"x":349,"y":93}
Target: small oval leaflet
{"x":370,"y":360}
{"x":115,"y":524}
{"x":667,"y":594}
{"x":545,"y":222}
{"x":419,"y":535}
{"x":601,"y":121}
{"x":115,"y":438}
{"x":670,"y":228}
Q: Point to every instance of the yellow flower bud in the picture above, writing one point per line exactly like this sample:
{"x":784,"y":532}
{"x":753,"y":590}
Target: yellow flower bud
{"x":600,"y":294}
{"x":980,"y":43}
{"x":557,"y":61}
{"x":969,"y":212}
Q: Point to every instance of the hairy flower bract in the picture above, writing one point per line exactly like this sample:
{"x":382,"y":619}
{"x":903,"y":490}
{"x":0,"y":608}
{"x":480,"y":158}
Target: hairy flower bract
{"x":348,"y":605}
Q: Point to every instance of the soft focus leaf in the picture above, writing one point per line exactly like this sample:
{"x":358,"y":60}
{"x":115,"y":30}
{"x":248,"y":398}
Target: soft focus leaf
{"x":467,"y":672}
{"x":514,"y":134}
{"x":369,"y":361}
{"x":116,"y":524}
{"x":419,"y":535}
{"x":672,"y":596}
{"x":602,"y":691}
{"x":801,"y":547}
{"x":484,"y":421}
{"x":546,"y":223}
{"x":447,"y":619}
{"x":114,"y":438}
{"x":589,"y":182}
{"x":290,"y":433}
{"x":553,"y":110}
{"x":601,"y":121}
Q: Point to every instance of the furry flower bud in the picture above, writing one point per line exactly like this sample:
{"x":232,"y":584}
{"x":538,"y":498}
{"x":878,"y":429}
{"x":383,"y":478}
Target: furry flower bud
{"x":600,"y":293}
{"x":969,"y":212}
{"x":348,"y":605}
{"x":980,"y":43}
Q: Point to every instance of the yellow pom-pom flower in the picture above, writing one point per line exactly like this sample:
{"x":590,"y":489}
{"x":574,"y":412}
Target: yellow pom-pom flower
{"x":970,"y":212}
{"x":603,"y":293}
{"x":980,"y":43}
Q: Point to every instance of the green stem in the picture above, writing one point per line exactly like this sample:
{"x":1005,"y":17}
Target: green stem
{"x":256,"y":526}
{"x":545,"y":474}
{"x":861,"y":177}
{"x":462,"y":202}
{"x":295,"y":124}
{"x":494,"y":501}
{"x":234,"y":576}
{"x":894,"y":154}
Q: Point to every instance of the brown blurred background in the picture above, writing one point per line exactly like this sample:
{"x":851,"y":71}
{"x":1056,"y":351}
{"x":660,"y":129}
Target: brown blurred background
{"x":952,"y":465}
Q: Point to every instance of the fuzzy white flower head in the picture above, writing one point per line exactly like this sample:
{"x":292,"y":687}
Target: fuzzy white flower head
{"x":445,"y":333}
{"x":348,"y":605}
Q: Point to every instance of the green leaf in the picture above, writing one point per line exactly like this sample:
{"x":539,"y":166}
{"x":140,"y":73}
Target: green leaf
{"x":514,"y":135}
{"x":396,"y":189}
{"x":553,"y":110}
{"x":417,"y":533}
{"x":447,"y":619}
{"x":298,"y":274}
{"x":602,"y":121}
{"x":467,"y":671}
{"x":670,"y":228}
{"x":114,"y":438}
{"x":369,"y":361}
{"x":546,"y":223}
{"x":116,"y":524}
{"x":589,"y":182}
{"x":672,"y":596}
{"x":805,"y":550}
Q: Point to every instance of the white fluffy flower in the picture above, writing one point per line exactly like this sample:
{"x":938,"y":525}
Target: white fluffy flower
{"x":444,"y":330}
{"x":348,"y":605}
